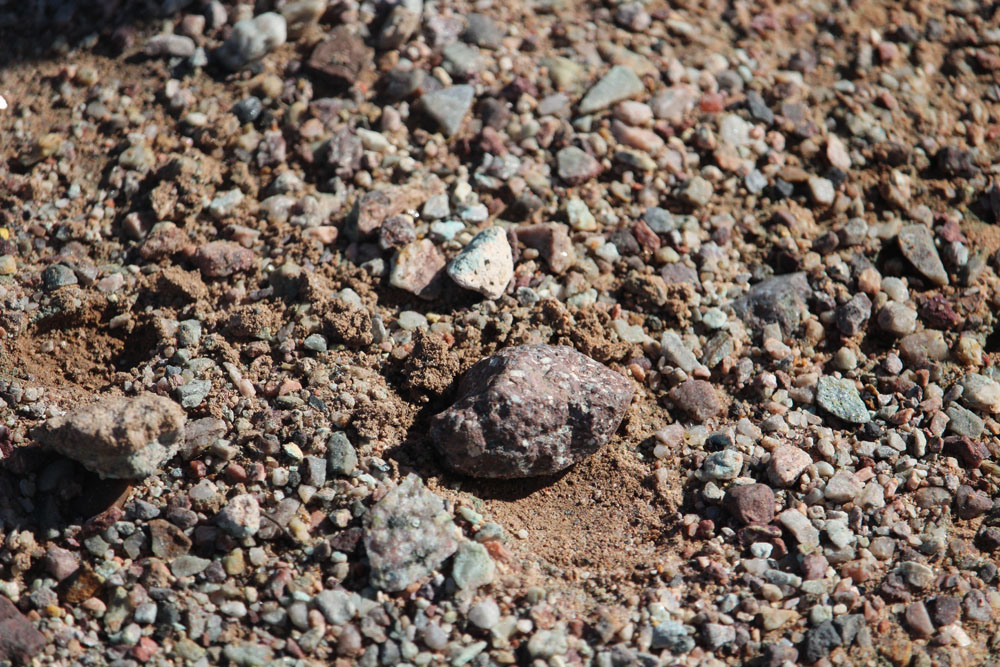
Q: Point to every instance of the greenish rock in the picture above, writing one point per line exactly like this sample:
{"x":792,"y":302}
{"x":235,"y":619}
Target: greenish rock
{"x":472,"y":566}
{"x":840,"y":398}
{"x":964,"y":422}
{"x":620,"y":83}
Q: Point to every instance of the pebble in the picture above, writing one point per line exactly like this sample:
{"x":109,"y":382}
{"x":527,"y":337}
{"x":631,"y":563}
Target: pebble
{"x":118,"y":437}
{"x":337,"y":605}
{"x":341,"y":457}
{"x":530,"y":410}
{"x":418,"y":268}
{"x":840,"y":398}
{"x":970,"y":503}
{"x":780,"y":299}
{"x":188,"y":566}
{"x":448,"y":106}
{"x":620,"y":83}
{"x":801,"y":528}
{"x":697,"y":192}
{"x":472,"y":566}
{"x":58,"y":275}
{"x":980,"y":393}
{"x":698,"y":399}
{"x":553,"y":243}
{"x":408,"y":534}
{"x":897,"y":319}
{"x":179,"y":46}
{"x":722,"y":466}
{"x":240,"y":517}
{"x":252,"y":39}
{"x":918,"y":620}
{"x":821,"y":190}
{"x":575,"y":166}
{"x":219,"y":259}
{"x":751,"y":503}
{"x":485,"y":265}
{"x":787,"y":464}
{"x":917,"y":244}
{"x":20,"y":641}
{"x":964,"y":422}
{"x":853,"y":315}
{"x":485,"y":614}
{"x":843,"y":487}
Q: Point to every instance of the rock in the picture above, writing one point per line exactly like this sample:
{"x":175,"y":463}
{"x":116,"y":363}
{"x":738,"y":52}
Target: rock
{"x":787,"y":464}
{"x":970,"y":503}
{"x":485,"y":265}
{"x":717,"y":635}
{"x":674,"y":103}
{"x":821,"y":190}
{"x":448,"y":106}
{"x":801,"y":528}
{"x":169,"y":45}
{"x":780,"y":299}
{"x":843,"y":487}
{"x":342,"y":57}
{"x":252,"y":39}
{"x":218,"y":259}
{"x":840,"y":398}
{"x":575,"y":166}
{"x":485,"y":614}
{"x":977,"y":606}
{"x":58,"y":275}
{"x":673,"y":636}
{"x":192,"y":393}
{"x":167,"y":541}
{"x":336,"y":605}
{"x":472,"y":566}
{"x":917,"y":244}
{"x":722,"y":466}
{"x":981,"y":393}
{"x":418,"y":268}
{"x":341,"y":456}
{"x":819,"y":642}
{"x":837,"y":154}
{"x":923,"y":347}
{"x":945,"y":610}
{"x":853,"y":315}
{"x":20,"y":641}
{"x":119,"y":437}
{"x":483,"y":31}
{"x":964,"y":422}
{"x":676,"y":353}
{"x":918,"y":620}
{"x":552,"y":242}
{"x":751,"y":503}
{"x":373,"y":208}
{"x":199,"y":435}
{"x":697,"y":398}
{"x":620,"y":83}
{"x":188,"y":566}
{"x":60,"y":563}
{"x":399,"y":26}
{"x":530,"y":410}
{"x":697,"y":192}
{"x":240,"y":517}
{"x":408,"y":534}
{"x":897,"y":319}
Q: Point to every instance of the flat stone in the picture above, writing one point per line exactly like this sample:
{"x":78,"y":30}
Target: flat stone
{"x":801,"y":528}
{"x":697,"y":398}
{"x":787,"y":464}
{"x":188,"y":566}
{"x":981,"y":393}
{"x":448,"y":106}
{"x":418,"y":268}
{"x":751,"y":503}
{"x":119,"y":437}
{"x":341,"y":457}
{"x":167,"y":541}
{"x":916,"y":574}
{"x":779,"y":299}
{"x":336,"y":605}
{"x":819,"y":642}
{"x":853,"y":315}
{"x":485,"y":265}
{"x":620,"y":83}
{"x":530,"y":410}
{"x":575,"y":166}
{"x":553,"y":243}
{"x":964,"y":422}
{"x":821,"y":190}
{"x":408,"y":534}
{"x":918,"y":620}
{"x":945,"y":610}
{"x":843,"y":487}
{"x":840,"y":398}
{"x":697,"y":191}
{"x":917,"y":244}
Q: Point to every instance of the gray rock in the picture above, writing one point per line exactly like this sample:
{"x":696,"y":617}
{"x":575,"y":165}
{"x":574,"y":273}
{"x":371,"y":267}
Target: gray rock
{"x":620,"y":83}
{"x":717,"y":635}
{"x":483,"y":31}
{"x":337,"y":605}
{"x":673,"y":636}
{"x":169,"y":45}
{"x":192,"y":393}
{"x":840,"y":398}
{"x":485,"y":265}
{"x":408,"y":534}
{"x":119,"y":437}
{"x":853,"y":315}
{"x":448,"y":106}
{"x":530,"y":410}
{"x":188,"y":566}
{"x":923,"y":347}
{"x":779,"y":299}
{"x":897,"y":319}
{"x":724,"y":465}
{"x":240,"y":517}
{"x":981,"y":393}
{"x":485,"y":614}
{"x":472,"y":566}
{"x":252,"y":39}
{"x":575,"y":166}
{"x":964,"y":422}
{"x":801,"y":528}
{"x":697,"y":192}
{"x":917,"y":244}
{"x":820,"y":641}
{"x":843,"y":487}
{"x":675,"y":352}
{"x":58,"y":275}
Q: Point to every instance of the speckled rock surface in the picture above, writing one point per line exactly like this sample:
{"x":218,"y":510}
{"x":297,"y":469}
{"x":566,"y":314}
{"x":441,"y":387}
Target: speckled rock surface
{"x":530,"y":410}
{"x":119,"y":437}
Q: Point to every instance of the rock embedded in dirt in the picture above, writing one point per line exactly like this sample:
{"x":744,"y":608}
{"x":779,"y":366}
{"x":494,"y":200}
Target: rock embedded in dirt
{"x":530,"y":410}
{"x":219,"y":259}
{"x":839,"y":397}
{"x":485,"y":265}
{"x":119,"y":437}
{"x":917,"y":244}
{"x":779,"y":299}
{"x":342,"y":57}
{"x":408,"y":534}
{"x":240,"y":517}
{"x":472,"y":566}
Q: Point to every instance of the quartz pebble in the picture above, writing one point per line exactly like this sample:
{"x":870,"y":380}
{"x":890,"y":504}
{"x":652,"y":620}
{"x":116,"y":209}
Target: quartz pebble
{"x":485,"y":265}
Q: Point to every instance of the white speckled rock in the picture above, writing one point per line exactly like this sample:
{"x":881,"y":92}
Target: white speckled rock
{"x":485,"y":265}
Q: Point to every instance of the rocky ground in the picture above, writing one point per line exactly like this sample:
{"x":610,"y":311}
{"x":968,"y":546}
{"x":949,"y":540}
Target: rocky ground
{"x":249,"y":253}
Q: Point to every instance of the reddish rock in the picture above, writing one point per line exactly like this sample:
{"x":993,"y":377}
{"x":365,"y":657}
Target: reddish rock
{"x":787,"y":464}
{"x":552,"y":242}
{"x":19,"y":639}
{"x":342,"y":58}
{"x":751,"y":503}
{"x":218,"y":259}
{"x":697,"y":398}
{"x":419,"y":269}
{"x":167,"y":540}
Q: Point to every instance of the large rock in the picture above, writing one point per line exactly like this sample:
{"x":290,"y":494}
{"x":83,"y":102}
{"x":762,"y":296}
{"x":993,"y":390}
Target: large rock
{"x":530,"y":410}
{"x":120,"y":437}
{"x":20,"y":641}
{"x":407,"y":535}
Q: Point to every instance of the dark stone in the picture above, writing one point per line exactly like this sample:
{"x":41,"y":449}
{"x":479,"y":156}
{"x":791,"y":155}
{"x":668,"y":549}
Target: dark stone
{"x":248,"y":109}
{"x":20,"y":641}
{"x":781,"y":299}
{"x":969,"y":453}
{"x":342,"y":57}
{"x":530,"y":410}
{"x":945,"y":610}
{"x":952,"y":161}
{"x":751,"y":503}
{"x":853,"y":315}
{"x":776,"y":655}
{"x":849,"y":626}
{"x":758,"y":108}
{"x":970,"y":503}
{"x":58,"y":275}
{"x":820,"y":641}
{"x":697,"y":398}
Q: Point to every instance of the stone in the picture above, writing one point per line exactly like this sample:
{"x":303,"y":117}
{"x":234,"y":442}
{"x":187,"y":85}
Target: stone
{"x":485,"y":265}
{"x":240,"y":517}
{"x":722,"y":466}
{"x":945,"y":610}
{"x":917,"y":245}
{"x":779,"y":299}
{"x":448,"y":106}
{"x":821,"y":190}
{"x":751,"y":503}
{"x":472,"y":566}
{"x":408,"y":533}
{"x":673,"y":636}
{"x":964,"y":422}
{"x":375,"y":207}
{"x":853,"y":315}
{"x":342,"y":57}
{"x":698,"y":398}
{"x":575,"y":166}
{"x":717,"y":635}
{"x":843,"y":487}
{"x":118,"y":437}
{"x":676,"y":353}
{"x":977,"y":606}
{"x":252,"y":39}
{"x":169,"y":45}
{"x":839,"y":397}
{"x":188,"y":566}
{"x":485,"y":614}
{"x":918,"y":620}
{"x":483,"y":31}
{"x":980,"y":393}
{"x":219,"y":259}
{"x":398,"y":27}
{"x":530,"y":410}
{"x":837,"y":154}
{"x":922,"y":348}
{"x":620,"y":83}
{"x":336,"y":605}
{"x":819,"y":642}
{"x":697,"y":192}
{"x":799,"y":525}
{"x":20,"y":641}
{"x":418,"y":268}
{"x":970,"y":503}
{"x":552,"y":242}
{"x":787,"y":464}
{"x":58,"y":275}
{"x":341,"y":457}
{"x":674,"y":103}
{"x":60,"y":563}
{"x":192,"y":393}
{"x":167,"y":541}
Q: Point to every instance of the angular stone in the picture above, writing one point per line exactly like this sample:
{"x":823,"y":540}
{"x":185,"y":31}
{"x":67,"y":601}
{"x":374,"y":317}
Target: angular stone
{"x":853,"y":315}
{"x":118,"y":437}
{"x":408,"y":534}
{"x":674,"y":103}
{"x":819,"y":642}
{"x":167,"y":541}
{"x":20,"y":641}
{"x":620,"y":83}
{"x":917,"y":244}
{"x":188,"y":566}
{"x":485,"y":265}
{"x":779,"y":299}
{"x":418,"y":268}
{"x":970,"y":503}
{"x":751,"y":503}
{"x":918,"y":620}
{"x":675,"y":352}
{"x":981,"y":393}
{"x":964,"y":422}
{"x":472,"y":566}
{"x":787,"y":464}
{"x":923,"y":347}
{"x":342,"y":57}
{"x":799,"y":525}
{"x":575,"y":166}
{"x":840,"y":398}
{"x":697,"y":398}
{"x":374,"y":207}
{"x":530,"y":410}
{"x":448,"y":106}
{"x":218,"y":259}
{"x":843,"y":487}
{"x":240,"y":517}
{"x":724,"y":465}
{"x":552,"y":242}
